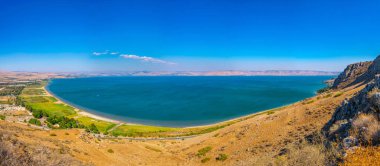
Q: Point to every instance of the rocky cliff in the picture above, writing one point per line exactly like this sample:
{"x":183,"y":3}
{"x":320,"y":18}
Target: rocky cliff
{"x":357,"y":119}
{"x":351,"y":74}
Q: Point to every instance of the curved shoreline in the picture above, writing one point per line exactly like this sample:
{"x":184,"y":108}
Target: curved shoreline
{"x":83,"y":112}
{"x":99,"y":117}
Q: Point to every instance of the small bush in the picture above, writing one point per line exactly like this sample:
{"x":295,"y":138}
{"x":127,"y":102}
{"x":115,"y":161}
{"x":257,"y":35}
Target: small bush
{"x":2,"y":117}
{"x":222,"y":157}
{"x":309,"y":102}
{"x":92,"y":128}
{"x":328,"y":95}
{"x":53,"y":134}
{"x":323,"y":90}
{"x":314,"y":150}
{"x":37,"y":114}
{"x":205,"y":160}
{"x":203,"y":151}
{"x":338,"y":94}
{"x":270,"y":112}
{"x":35,"y":122}
{"x":110,"y":151}
{"x":152,"y":148}
{"x":366,"y":128}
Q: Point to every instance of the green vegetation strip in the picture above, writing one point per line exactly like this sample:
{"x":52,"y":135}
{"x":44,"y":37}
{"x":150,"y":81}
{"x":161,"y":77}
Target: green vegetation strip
{"x":203,"y":151}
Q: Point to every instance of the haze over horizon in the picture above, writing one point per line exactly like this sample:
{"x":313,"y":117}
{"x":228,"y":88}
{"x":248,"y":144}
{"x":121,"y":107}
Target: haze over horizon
{"x":198,"y":35}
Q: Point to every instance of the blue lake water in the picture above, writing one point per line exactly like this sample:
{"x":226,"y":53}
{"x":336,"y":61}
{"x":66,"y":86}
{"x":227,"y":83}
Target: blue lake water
{"x":183,"y":101}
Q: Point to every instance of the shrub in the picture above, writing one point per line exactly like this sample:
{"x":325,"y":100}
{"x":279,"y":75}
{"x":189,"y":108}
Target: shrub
{"x":205,"y":160}
{"x":323,"y":90}
{"x":203,"y":151}
{"x":35,"y":122}
{"x":152,"y":148}
{"x":366,"y":128}
{"x":37,"y":114}
{"x":314,"y":150}
{"x":110,"y":151}
{"x":221,"y":157}
{"x":92,"y":128}
{"x":270,"y":112}
{"x":64,"y":123}
{"x":310,"y":101}
{"x":2,"y":117}
{"x":53,"y":134}
{"x":338,"y":94}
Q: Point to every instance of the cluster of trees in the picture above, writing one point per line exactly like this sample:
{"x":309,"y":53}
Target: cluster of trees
{"x":64,"y":122}
{"x":37,"y":113}
{"x":11,"y":90}
{"x":19,"y":101}
{"x":93,"y":129}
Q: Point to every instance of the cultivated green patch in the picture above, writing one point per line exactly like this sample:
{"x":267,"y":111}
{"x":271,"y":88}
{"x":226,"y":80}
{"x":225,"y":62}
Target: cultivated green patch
{"x":46,"y":105}
{"x":140,"y":130}
{"x":102,"y":126}
{"x":29,"y":91}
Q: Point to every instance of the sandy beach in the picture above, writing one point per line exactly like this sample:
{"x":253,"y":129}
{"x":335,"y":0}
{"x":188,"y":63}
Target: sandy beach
{"x":80,"y":111}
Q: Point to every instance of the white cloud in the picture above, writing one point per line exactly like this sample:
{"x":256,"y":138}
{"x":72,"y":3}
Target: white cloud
{"x":146,"y":59}
{"x":135,"y":57}
{"x":101,"y":53}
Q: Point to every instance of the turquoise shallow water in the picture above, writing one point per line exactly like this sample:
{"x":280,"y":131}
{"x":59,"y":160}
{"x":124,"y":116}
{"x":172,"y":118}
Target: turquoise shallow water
{"x":183,"y":101}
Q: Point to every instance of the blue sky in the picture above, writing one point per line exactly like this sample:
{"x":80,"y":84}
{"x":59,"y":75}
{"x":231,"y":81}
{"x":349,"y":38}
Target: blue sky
{"x":178,"y":35}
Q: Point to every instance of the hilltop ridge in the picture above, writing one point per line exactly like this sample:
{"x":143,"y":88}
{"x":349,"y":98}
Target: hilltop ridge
{"x":358,"y":73}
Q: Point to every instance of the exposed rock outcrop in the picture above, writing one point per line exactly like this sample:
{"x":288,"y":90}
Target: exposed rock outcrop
{"x":366,"y":101}
{"x":356,"y":116}
{"x":351,"y":74}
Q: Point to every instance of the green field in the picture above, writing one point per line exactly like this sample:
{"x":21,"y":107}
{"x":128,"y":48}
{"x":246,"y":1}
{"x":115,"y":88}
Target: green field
{"x":30,"y":91}
{"x":47,"y":105}
{"x":140,"y":130}
{"x":102,"y":126}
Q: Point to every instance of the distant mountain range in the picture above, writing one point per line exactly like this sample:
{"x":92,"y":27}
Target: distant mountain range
{"x":214,"y":73}
{"x":7,"y":76}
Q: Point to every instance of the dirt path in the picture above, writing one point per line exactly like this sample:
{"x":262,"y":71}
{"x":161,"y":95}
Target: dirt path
{"x":118,"y":125}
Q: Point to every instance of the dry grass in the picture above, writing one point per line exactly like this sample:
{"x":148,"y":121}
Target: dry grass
{"x":315,"y":152}
{"x":366,"y":128}
{"x":16,"y":152}
{"x":363,"y":156}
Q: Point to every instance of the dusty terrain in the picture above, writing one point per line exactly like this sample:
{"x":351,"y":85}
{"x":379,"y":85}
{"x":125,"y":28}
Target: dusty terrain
{"x":11,"y":77}
{"x":260,"y":140}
